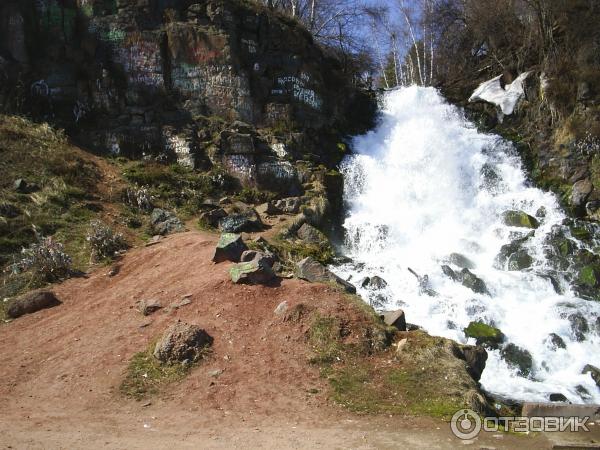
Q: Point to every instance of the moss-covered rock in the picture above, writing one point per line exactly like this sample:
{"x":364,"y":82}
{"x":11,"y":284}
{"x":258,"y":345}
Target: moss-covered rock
{"x":519,"y":261}
{"x":520,"y":219}
{"x":484,"y":334}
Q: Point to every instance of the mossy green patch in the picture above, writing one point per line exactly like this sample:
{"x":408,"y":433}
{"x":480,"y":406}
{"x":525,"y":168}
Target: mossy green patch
{"x":519,"y":219}
{"x":484,"y":333}
{"x":588,"y":275}
{"x":146,"y":375}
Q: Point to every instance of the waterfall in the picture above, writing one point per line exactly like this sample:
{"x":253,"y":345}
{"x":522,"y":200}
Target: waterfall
{"x":425,"y":184}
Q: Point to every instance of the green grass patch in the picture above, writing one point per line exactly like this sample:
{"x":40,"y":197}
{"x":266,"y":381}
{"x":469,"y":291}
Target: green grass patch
{"x":146,"y":376}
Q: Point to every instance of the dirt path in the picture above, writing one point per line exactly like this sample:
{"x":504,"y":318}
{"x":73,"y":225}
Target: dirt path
{"x":61,"y":368}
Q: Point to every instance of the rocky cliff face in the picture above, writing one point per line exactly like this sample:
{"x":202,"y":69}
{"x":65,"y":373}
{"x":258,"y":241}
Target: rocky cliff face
{"x":201,"y":83}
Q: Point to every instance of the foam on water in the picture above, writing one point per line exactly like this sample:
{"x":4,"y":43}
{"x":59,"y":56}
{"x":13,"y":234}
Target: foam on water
{"x":418,"y":188}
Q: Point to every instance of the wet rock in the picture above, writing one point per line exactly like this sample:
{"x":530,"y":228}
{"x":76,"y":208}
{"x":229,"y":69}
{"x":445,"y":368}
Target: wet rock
{"x":579,"y":326}
{"x":311,"y":235}
{"x":471,"y":281}
{"x":212,"y":217}
{"x":519,"y":219}
{"x":374,"y":282}
{"x":256,"y":271}
{"x":557,"y":397}
{"x":461,"y":261}
{"x":582,"y":392}
{"x":594,"y":372}
{"x":164,"y":222}
{"x":484,"y":335}
{"x":519,"y":260}
{"x":580,"y":192}
{"x":424,"y":285}
{"x":552,"y":278}
{"x":229,"y":248}
{"x":247,"y":220}
{"x":395,"y":319}
{"x":589,"y":276}
{"x":555,"y":341}
{"x":518,"y":358}
{"x":311,"y":270}
{"x":182,"y":342}
{"x":447,"y":270}
{"x":30,"y":303}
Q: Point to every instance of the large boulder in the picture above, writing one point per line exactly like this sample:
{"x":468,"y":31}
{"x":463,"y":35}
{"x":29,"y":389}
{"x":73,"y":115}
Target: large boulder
{"x":259,"y":270}
{"x":229,"y":248}
{"x":164,"y":222}
{"x":212,"y":217}
{"x":247,"y":220}
{"x":182,"y":343}
{"x":484,"y":334}
{"x":519,"y":219}
{"x":290,"y":205}
{"x":311,"y":270}
{"x":30,"y":303}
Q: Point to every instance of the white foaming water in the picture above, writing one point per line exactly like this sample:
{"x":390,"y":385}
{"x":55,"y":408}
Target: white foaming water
{"x":417,"y":191}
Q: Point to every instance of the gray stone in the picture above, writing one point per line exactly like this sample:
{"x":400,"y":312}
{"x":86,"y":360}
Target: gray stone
{"x":164,"y":222}
{"x":594,"y":372}
{"x":182,"y":342}
{"x":281,"y":309}
{"x":580,"y":192}
{"x":531,"y":409}
{"x":475,"y":356}
{"x":247,"y":220}
{"x":461,"y":261}
{"x":374,"y":282}
{"x":557,"y":397}
{"x":313,"y":271}
{"x":518,"y":358}
{"x":30,"y":303}
{"x":473,"y":282}
{"x":256,"y":271}
{"x":147,"y":307}
{"x":579,"y":326}
{"x":311,"y":235}
{"x":519,"y":260}
{"x":290,"y":205}
{"x":555,"y":341}
{"x":396,"y":319}
{"x":212,"y":217}
{"x":229,"y":248}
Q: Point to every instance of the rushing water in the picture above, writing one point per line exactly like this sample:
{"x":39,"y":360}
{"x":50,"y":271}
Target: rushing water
{"x":418,"y":189}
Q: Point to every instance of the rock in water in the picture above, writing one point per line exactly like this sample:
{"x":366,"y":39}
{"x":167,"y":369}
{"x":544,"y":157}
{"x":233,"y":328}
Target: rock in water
{"x":558,"y":397}
{"x":461,"y":261}
{"x":182,"y":342}
{"x":229,"y":248}
{"x":473,"y":282}
{"x":31,"y":302}
{"x":518,"y":358}
{"x":311,"y":270}
{"x":395,"y":319}
{"x":594,"y":371}
{"x":484,"y":334}
{"x":375,"y":283}
{"x":519,"y":219}
{"x":555,"y":341}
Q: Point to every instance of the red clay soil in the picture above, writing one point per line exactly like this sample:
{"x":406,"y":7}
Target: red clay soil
{"x":61,"y":368}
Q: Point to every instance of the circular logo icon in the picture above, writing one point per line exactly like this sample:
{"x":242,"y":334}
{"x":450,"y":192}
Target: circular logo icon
{"x":465,"y":424}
